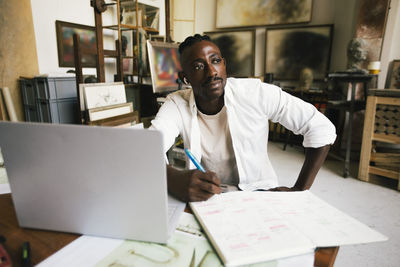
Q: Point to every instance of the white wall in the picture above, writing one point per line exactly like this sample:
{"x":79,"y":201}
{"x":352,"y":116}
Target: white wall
{"x":46,"y":12}
{"x":345,"y":18}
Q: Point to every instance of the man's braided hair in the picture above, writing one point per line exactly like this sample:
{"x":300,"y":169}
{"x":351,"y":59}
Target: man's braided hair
{"x":191,"y":40}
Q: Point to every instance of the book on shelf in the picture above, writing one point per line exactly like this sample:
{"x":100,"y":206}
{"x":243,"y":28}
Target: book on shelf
{"x":251,"y":227}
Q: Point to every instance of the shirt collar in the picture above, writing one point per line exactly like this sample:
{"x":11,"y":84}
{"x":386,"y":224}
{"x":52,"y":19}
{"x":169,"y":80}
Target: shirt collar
{"x":192,"y":103}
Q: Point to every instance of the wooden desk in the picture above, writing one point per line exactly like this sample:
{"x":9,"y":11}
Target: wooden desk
{"x":45,"y":243}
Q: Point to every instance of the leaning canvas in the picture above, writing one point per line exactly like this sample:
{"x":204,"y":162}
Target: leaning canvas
{"x":164,"y":65}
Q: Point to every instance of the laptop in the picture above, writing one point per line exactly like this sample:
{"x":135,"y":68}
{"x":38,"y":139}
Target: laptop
{"x":99,"y":181}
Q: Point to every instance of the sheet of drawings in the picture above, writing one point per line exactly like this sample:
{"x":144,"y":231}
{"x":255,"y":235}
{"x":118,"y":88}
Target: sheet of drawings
{"x":246,"y":230}
{"x":325,"y":225}
{"x":104,"y":95}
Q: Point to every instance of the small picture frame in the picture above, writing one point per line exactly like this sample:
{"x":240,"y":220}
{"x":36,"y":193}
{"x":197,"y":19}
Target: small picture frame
{"x":394,"y":75}
{"x":65,"y":43}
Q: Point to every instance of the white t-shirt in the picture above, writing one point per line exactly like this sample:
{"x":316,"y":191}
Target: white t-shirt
{"x":216,"y":146}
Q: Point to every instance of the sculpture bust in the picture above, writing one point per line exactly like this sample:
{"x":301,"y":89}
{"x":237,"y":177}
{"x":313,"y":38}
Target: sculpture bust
{"x":356,"y":54}
{"x":305,"y":79}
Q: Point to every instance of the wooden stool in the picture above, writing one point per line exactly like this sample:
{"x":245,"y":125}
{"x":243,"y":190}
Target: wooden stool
{"x":382,"y":123}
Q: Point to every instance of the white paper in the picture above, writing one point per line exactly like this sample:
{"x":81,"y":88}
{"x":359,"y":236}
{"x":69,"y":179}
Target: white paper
{"x":188,"y":241}
{"x":84,"y":251}
{"x":5,"y":189}
{"x":325,"y":225}
{"x":243,"y":225}
{"x":245,"y":230}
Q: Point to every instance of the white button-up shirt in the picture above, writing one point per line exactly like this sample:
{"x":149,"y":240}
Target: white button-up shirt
{"x":250,"y":105}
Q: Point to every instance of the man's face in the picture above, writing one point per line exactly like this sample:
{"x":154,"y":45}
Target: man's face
{"x":205,"y":69}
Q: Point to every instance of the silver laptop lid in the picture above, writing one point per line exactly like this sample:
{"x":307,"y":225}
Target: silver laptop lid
{"x":90,"y":180}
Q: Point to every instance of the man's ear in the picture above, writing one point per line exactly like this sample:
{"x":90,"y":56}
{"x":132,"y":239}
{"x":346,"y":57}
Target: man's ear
{"x":182,"y":77}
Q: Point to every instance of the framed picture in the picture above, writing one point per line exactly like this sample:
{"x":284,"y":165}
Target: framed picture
{"x":129,"y":17}
{"x":238,"y":49}
{"x":238,"y":13}
{"x":65,"y":43}
{"x":164,"y":65}
{"x":96,"y":95}
{"x":290,"y":50}
{"x":127,"y":50}
{"x":394,"y":75}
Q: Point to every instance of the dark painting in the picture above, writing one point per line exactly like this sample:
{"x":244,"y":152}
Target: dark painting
{"x":237,"y":47}
{"x":290,"y":50}
{"x":65,"y":43}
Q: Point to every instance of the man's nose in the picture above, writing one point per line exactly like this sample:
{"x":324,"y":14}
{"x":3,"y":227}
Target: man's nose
{"x":211,"y":70}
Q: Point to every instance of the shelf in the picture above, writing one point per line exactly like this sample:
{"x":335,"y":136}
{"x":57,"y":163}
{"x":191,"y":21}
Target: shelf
{"x":384,"y":172}
{"x":345,"y":104}
{"x":392,"y":139}
{"x":126,"y":27}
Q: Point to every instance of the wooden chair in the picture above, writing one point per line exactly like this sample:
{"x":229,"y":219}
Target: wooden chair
{"x":382,"y":124}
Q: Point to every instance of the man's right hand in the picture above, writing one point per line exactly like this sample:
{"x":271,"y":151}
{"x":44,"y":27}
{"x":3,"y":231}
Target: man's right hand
{"x":192,"y":185}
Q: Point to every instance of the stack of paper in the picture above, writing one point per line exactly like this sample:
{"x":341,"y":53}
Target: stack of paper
{"x":250,"y":227}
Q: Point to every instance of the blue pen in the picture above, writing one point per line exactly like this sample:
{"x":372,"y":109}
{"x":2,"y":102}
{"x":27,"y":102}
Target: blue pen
{"x":194,"y":160}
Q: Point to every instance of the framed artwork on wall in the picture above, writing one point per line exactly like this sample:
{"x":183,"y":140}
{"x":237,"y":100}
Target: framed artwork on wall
{"x":164,"y":65}
{"x":290,"y":50}
{"x":238,"y":13}
{"x":238,"y":49}
{"x":65,"y":43}
{"x":394,"y":75}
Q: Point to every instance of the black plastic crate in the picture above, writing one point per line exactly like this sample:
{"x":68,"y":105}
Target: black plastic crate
{"x":58,"y":111}
{"x":55,"y":88}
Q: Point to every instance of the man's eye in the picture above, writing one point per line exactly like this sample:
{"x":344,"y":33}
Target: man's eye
{"x":216,"y":60}
{"x":199,"y":67}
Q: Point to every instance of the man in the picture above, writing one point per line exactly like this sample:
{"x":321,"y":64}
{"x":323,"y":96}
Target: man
{"x":224,"y":122}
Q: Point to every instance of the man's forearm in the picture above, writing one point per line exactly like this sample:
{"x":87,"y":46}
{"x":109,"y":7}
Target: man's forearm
{"x":314,"y":159}
{"x":176,"y":185}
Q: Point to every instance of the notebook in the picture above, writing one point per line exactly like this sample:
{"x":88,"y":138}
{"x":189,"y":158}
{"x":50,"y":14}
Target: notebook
{"x":252,"y":227}
{"x":99,"y":181}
